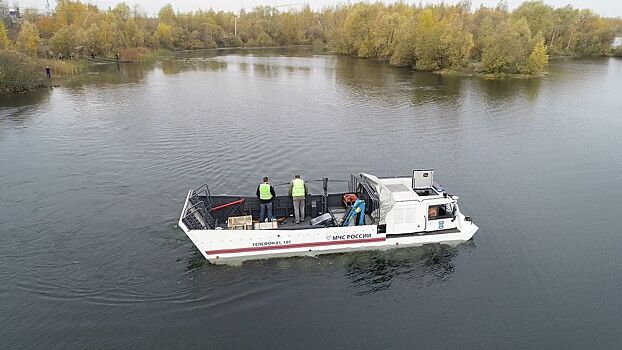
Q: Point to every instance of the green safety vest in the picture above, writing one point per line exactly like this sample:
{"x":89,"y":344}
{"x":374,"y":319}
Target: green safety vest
{"x":298,"y":189}
{"x":264,"y":192}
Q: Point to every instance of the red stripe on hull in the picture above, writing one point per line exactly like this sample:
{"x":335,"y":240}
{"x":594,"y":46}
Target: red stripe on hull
{"x":297,"y":245}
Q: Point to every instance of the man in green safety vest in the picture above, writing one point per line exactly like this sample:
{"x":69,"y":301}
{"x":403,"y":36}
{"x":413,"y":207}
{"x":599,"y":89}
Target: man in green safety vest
{"x":298,"y":190}
{"x":265,"y":193}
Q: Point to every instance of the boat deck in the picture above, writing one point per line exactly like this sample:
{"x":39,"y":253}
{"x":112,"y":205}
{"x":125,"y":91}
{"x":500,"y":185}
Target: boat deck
{"x":289,"y":223}
{"x":205,"y":210}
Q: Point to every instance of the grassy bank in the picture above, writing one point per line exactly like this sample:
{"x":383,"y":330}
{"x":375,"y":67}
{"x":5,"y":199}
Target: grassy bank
{"x":21,"y":73}
{"x":142,"y":55}
{"x":471,"y":72}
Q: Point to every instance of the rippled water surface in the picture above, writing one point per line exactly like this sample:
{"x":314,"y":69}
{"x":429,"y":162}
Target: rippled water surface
{"x":93,"y":176}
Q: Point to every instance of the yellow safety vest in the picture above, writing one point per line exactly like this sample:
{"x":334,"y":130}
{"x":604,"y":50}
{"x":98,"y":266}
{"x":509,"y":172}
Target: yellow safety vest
{"x":298,"y":188}
{"x":264,"y":192}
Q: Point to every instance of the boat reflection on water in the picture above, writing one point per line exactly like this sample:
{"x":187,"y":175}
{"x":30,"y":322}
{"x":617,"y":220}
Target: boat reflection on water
{"x":368,"y":272}
{"x":194,"y":261}
{"x":372,"y":272}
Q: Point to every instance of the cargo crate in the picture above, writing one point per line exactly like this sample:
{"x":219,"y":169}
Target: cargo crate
{"x":270,"y":225}
{"x":244,"y":222}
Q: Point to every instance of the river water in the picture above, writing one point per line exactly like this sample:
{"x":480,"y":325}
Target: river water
{"x":93,"y":175}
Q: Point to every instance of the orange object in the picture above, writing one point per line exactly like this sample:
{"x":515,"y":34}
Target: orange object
{"x":432,"y":212}
{"x":349,"y":199}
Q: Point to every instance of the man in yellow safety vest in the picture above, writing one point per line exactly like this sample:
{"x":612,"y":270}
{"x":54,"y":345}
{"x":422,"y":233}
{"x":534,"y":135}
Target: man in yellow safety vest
{"x":265,"y":193}
{"x":298,"y":190}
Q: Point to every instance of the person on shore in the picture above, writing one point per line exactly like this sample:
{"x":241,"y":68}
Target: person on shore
{"x":48,"y":72}
{"x":117,"y":56}
{"x":266,"y":194}
{"x":298,"y":190}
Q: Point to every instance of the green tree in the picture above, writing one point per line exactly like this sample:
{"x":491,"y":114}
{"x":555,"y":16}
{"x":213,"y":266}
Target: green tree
{"x":506,"y":50}
{"x":64,"y":41}
{"x":18,"y":72}
{"x":70,"y":12}
{"x":456,"y":42}
{"x":539,"y":17}
{"x":595,"y":35}
{"x":357,"y":28}
{"x":167,"y":15}
{"x":428,"y":49}
{"x":404,"y":49}
{"x":263,"y":39}
{"x":565,"y":19}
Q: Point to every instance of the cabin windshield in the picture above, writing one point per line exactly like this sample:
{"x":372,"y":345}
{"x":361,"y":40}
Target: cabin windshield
{"x":440,"y":211}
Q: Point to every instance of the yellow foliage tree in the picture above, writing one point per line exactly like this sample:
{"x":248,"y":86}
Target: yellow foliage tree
{"x":428,"y":37}
{"x":167,"y":15}
{"x":5,"y":42}
{"x":538,"y":59}
{"x":428,"y":41}
{"x":456,"y":42}
{"x":28,"y":39}
{"x":507,"y":49}
{"x":165,"y":35}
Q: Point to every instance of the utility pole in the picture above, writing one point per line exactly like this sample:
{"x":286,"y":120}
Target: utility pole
{"x":235,"y":25}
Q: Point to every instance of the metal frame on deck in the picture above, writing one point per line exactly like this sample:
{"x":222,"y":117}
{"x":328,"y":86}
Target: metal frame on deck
{"x":203,"y":210}
{"x":359,"y":184}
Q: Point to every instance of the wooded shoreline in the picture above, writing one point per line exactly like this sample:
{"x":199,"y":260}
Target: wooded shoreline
{"x":450,"y":39}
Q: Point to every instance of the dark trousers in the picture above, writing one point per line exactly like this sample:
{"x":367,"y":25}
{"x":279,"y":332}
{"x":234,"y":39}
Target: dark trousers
{"x":266,"y":207}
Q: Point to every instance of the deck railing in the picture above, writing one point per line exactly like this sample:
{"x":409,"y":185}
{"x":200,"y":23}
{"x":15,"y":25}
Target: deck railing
{"x":198,"y":215}
{"x":359,"y":184}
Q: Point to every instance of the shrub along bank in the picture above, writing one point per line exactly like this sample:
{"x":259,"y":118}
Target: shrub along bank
{"x":20,"y":72}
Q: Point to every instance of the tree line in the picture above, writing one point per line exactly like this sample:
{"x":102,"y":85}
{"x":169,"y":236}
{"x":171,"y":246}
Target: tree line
{"x":426,"y":37}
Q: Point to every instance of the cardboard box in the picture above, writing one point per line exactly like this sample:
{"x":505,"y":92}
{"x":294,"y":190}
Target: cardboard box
{"x":270,"y":225}
{"x":244,"y":222}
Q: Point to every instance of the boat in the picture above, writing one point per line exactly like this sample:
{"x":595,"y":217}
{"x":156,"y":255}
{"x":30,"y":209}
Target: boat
{"x":376,"y":213}
{"x":106,"y":60}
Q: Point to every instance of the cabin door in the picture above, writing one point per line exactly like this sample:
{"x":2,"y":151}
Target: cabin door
{"x":405,"y":220}
{"x":439,"y":217}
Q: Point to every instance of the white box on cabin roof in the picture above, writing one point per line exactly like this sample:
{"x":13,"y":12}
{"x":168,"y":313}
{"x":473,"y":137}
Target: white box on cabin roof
{"x":423,"y":178}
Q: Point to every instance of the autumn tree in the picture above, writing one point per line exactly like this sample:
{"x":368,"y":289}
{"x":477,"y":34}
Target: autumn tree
{"x":427,"y":47}
{"x":426,"y":37}
{"x":456,"y":41}
{"x":595,"y":36}
{"x":70,"y":12}
{"x":538,"y":58}
{"x":5,"y":42}
{"x":538,"y":15}
{"x":357,"y":28}
{"x":167,"y":15}
{"x":506,"y":49}
{"x":28,"y":39}
{"x":404,"y":49}
{"x":165,"y":35}
{"x":64,"y":41}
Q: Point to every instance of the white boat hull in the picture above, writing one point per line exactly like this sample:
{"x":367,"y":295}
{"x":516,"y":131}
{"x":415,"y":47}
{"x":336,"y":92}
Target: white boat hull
{"x":233,"y":246}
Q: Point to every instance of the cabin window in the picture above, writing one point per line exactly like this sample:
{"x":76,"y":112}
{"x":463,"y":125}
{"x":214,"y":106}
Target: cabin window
{"x":440,"y":211}
{"x":424,"y":192}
